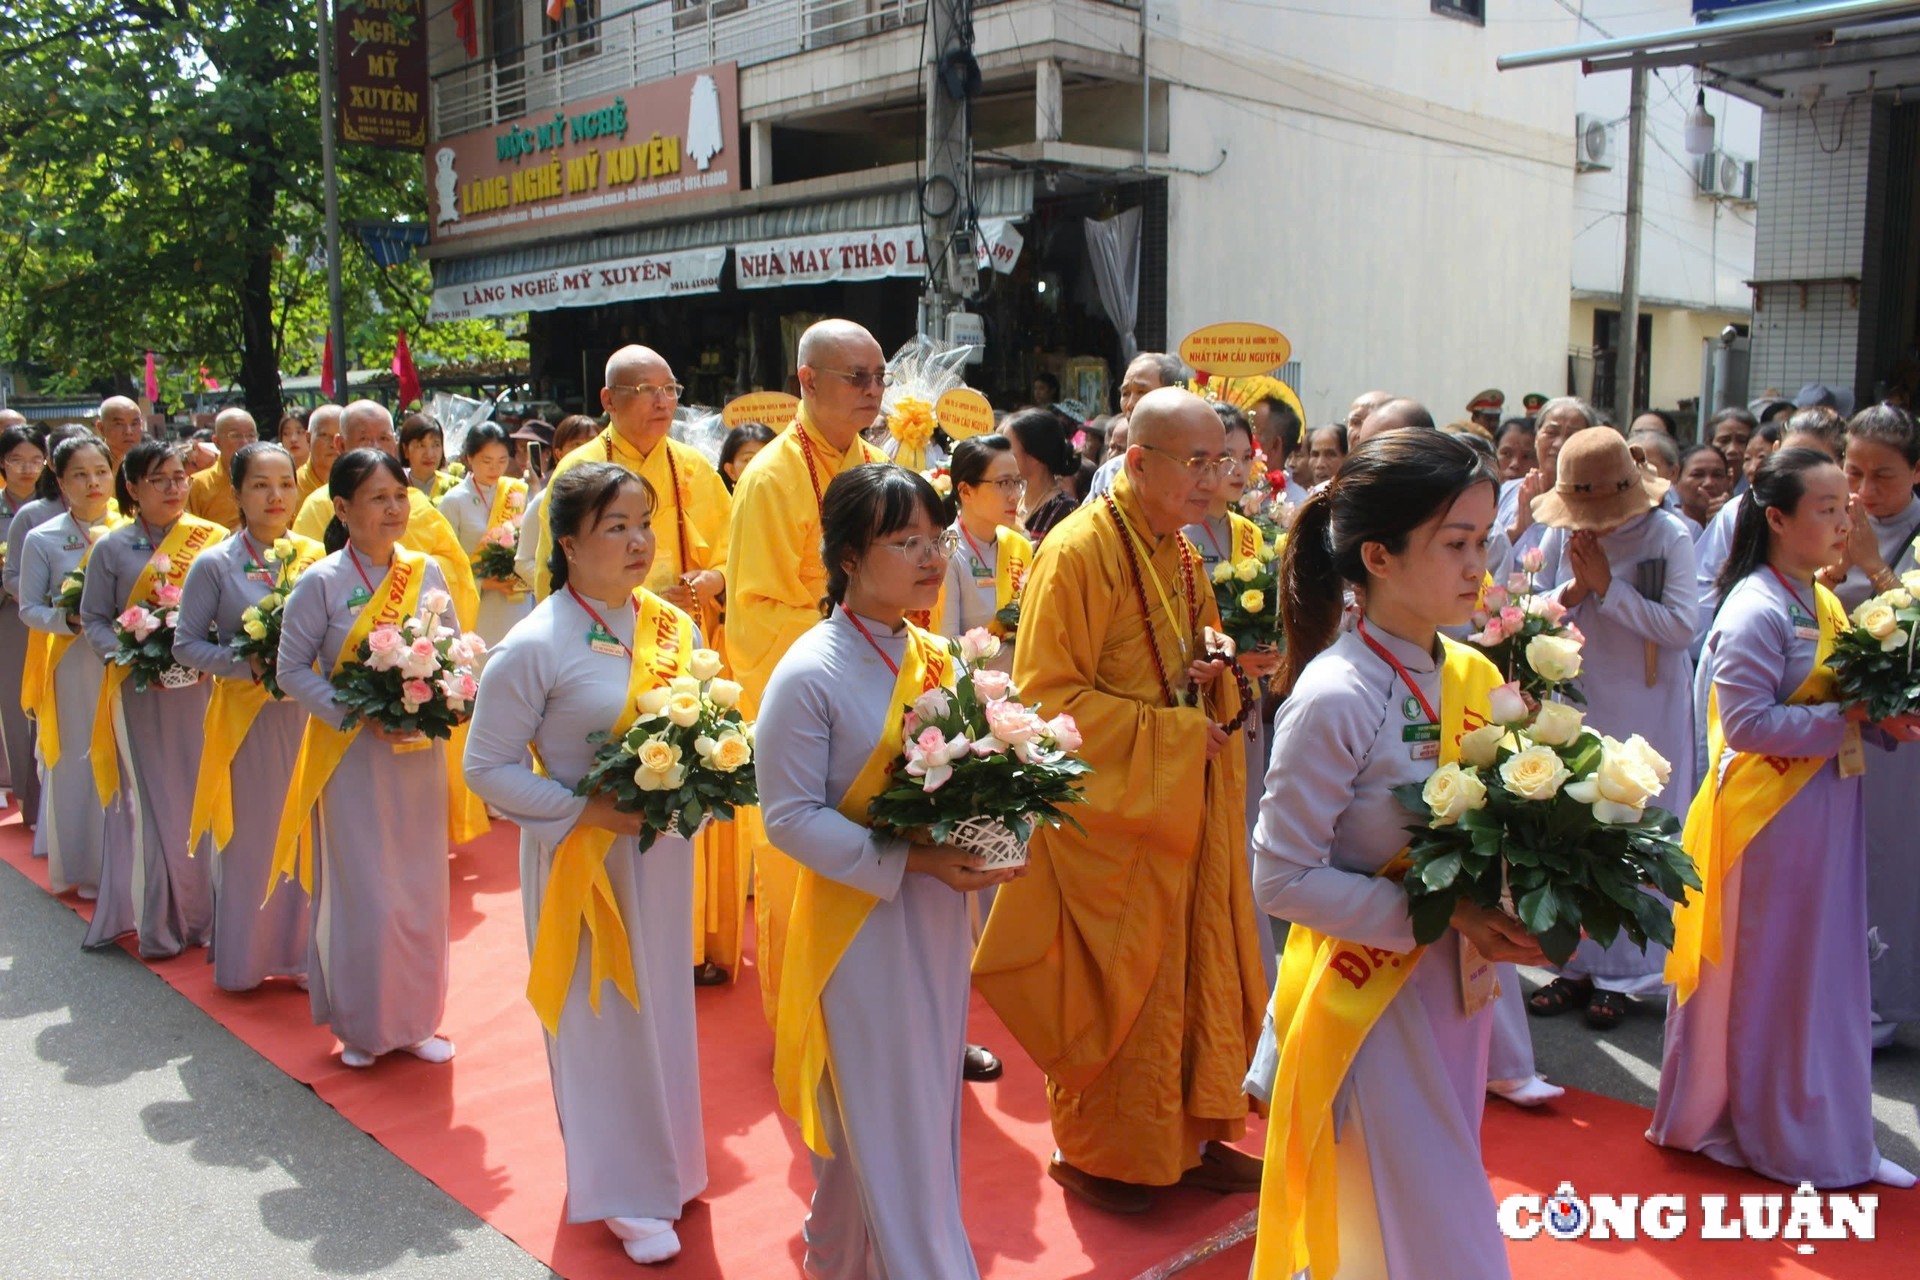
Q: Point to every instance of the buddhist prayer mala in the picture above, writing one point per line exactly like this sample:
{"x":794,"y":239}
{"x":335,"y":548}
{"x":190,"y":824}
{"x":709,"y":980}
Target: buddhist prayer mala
{"x":1127,"y":539}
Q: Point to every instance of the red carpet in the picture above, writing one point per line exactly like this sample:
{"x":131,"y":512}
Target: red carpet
{"x":484,"y":1131}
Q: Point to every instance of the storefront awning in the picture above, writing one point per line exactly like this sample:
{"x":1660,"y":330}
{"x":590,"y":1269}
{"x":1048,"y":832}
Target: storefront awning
{"x":1763,"y":53}
{"x":1007,"y":195}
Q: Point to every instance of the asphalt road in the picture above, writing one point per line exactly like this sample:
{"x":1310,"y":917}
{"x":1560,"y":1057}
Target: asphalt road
{"x":139,"y":1138}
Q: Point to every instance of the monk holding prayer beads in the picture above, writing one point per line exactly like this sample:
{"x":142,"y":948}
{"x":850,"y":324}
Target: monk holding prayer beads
{"x":1126,"y":962}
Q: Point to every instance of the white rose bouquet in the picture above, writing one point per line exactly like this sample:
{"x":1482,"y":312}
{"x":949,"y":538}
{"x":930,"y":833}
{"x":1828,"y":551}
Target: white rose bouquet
{"x":414,"y":678}
{"x":1874,"y":658}
{"x":1552,"y":823}
{"x":978,"y":768}
{"x":688,"y":756}
{"x":1527,"y":636}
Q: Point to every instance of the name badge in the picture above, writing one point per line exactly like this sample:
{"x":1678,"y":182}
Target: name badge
{"x":358,"y":597}
{"x":1806,"y":633}
{"x":1422,"y":741}
{"x":141,"y":544}
{"x":72,"y":544}
{"x":1804,"y":627}
{"x":602,"y":641}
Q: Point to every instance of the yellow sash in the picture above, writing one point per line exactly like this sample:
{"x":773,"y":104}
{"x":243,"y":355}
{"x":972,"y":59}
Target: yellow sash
{"x":579,"y":892}
{"x":44,"y":652}
{"x":323,"y":747}
{"x":189,"y":537}
{"x":1329,"y":995}
{"x":827,"y":914}
{"x":1731,"y":808}
{"x":1247,"y":539}
{"x":498,"y":513}
{"x":1012,"y":562}
{"x":230,"y":716}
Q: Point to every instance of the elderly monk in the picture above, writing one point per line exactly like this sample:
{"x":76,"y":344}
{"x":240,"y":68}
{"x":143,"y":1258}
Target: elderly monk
{"x":775,"y":580}
{"x":210,"y":493}
{"x":323,"y":447}
{"x":690,"y":530}
{"x":121,"y":424}
{"x":1126,"y":962}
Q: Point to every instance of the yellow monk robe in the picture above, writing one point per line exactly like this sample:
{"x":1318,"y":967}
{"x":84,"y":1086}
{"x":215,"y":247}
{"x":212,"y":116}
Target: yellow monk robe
{"x":183,"y":544}
{"x":1323,"y":1014}
{"x":827,"y":914}
{"x":1734,"y":804}
{"x":1125,"y":961}
{"x":308,"y":479}
{"x":691,"y":530}
{"x":231,"y":710}
{"x":428,"y":532}
{"x":775,"y":582}
{"x":210,"y":496}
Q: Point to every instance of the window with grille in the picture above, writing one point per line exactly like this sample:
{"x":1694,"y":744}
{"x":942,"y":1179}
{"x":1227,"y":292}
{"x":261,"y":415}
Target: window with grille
{"x":1474,"y":11}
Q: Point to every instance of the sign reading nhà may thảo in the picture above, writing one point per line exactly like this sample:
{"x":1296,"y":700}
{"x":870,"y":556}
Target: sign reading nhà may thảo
{"x":380,"y":52}
{"x":665,"y":140}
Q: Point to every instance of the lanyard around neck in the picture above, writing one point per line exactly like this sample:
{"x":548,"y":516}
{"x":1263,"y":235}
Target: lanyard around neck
{"x":861,"y":627}
{"x":1400,"y":670}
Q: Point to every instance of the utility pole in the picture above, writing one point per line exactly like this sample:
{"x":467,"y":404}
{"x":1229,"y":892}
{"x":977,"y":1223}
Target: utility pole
{"x":946,"y":194}
{"x":1627,"y":361}
{"x":336,"y":308}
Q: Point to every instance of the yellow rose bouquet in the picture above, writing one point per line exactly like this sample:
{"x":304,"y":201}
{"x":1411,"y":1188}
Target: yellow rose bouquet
{"x":1551,"y":822}
{"x":1874,"y":658}
{"x":688,"y":756}
{"x":259,"y":633}
{"x":1248,"y":593}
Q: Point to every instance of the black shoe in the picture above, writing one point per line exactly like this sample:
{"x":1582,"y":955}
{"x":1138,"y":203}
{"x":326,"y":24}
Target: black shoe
{"x":709,"y":975}
{"x":979,"y":1065}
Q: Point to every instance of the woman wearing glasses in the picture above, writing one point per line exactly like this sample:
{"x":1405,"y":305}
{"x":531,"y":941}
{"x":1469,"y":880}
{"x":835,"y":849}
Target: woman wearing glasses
{"x":146,"y":743}
{"x":879,"y":925}
{"x":992,"y":557}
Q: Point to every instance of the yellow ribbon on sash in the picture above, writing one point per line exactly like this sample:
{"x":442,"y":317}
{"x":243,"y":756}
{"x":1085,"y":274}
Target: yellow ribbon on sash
{"x":1733,"y":805}
{"x":1012,"y":562}
{"x":323,"y":747}
{"x":33,"y":672}
{"x":1329,"y":995}
{"x":827,"y":914}
{"x":231,"y":711}
{"x":189,"y":537}
{"x":579,"y":891}
{"x":1247,"y":539}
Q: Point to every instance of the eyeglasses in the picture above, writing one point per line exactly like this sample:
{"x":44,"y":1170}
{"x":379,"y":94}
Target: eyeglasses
{"x":665,"y":391}
{"x":1201,"y":468}
{"x":1012,"y":486}
{"x":164,"y":483}
{"x":920,"y":549}
{"x":861,"y":381}
{"x":27,"y":462}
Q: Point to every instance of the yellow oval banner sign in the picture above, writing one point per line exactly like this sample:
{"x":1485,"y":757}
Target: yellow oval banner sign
{"x":1236,"y":349}
{"x":774,"y":409}
{"x":964,"y":412}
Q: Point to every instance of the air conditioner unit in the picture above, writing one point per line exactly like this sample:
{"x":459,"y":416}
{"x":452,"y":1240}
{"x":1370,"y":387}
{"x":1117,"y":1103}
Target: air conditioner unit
{"x":1725,"y":176}
{"x":1592,"y":143}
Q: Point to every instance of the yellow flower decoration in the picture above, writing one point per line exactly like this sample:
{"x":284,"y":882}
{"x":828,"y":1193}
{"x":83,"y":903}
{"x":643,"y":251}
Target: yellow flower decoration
{"x":911,"y":422}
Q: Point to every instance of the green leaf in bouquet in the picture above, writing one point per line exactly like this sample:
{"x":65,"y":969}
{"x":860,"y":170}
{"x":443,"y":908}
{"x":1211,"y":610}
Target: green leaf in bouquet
{"x":1539,"y":910}
{"x":1441,"y":872}
{"x":1431,"y":916}
{"x":1560,"y":942}
{"x":1602,"y":925}
{"x":1409,"y":796}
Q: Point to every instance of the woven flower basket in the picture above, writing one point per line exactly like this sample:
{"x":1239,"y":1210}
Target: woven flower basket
{"x":178,"y":678}
{"x":992,"y":841}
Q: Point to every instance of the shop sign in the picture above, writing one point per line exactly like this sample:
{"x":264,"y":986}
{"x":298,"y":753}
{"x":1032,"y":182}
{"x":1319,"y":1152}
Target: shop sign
{"x":1236,"y":349}
{"x":655,"y":275}
{"x":661,"y":141}
{"x":775,"y":409}
{"x":853,"y":255}
{"x":380,"y":48}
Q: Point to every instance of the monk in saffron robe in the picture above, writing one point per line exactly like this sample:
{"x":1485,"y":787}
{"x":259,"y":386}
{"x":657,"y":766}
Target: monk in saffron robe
{"x":690,"y":517}
{"x":775,"y":580}
{"x":1126,"y":962}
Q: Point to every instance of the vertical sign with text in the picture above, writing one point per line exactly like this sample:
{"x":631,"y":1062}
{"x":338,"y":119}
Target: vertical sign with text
{"x":380,"y":49}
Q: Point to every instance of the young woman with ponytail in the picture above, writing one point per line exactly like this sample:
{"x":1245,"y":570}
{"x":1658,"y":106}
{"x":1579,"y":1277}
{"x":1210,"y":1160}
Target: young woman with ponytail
{"x":1768,"y":1061}
{"x":377,"y":800}
{"x":1376,"y":1170}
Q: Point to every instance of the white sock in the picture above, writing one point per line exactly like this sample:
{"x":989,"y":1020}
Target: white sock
{"x":1891,"y":1174}
{"x":433,"y":1049}
{"x":645,"y":1239}
{"x":352,"y":1057}
{"x":1530,"y":1092}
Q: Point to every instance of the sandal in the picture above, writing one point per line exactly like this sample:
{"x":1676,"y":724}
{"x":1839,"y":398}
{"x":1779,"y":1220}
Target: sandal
{"x":1559,"y":996}
{"x":1605,"y":1010}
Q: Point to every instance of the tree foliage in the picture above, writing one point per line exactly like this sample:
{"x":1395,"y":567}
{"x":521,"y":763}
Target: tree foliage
{"x":160,"y":189}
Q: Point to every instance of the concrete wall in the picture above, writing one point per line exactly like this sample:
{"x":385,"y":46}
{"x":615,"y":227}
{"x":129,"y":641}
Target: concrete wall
{"x":1386,"y":197}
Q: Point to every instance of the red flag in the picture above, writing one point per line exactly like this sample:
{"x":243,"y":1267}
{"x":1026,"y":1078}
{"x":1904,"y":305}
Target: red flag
{"x":466,"y":28}
{"x":403,"y":370}
{"x":557,"y":7}
{"x":326,"y":367}
{"x":207,"y":380}
{"x":153,"y":381}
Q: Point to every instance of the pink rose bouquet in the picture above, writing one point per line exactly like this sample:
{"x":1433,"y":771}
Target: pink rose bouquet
{"x":978,"y":768}
{"x":1527,"y":635}
{"x":145,"y":635}
{"x":413,"y":678}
